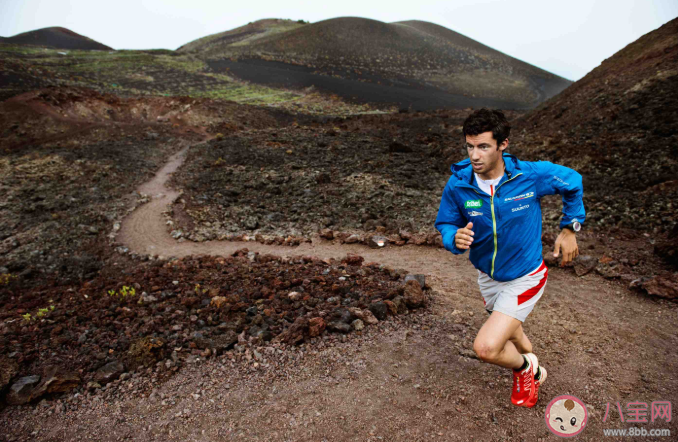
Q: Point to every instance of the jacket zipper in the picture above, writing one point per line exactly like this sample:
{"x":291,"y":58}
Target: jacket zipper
{"x":494,"y":221}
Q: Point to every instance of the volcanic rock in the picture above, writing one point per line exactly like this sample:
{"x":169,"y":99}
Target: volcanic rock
{"x":316,"y":326}
{"x":379,"y":310}
{"x":421,"y":279}
{"x":56,"y":380}
{"x":327,"y":234}
{"x":584,"y":264}
{"x":658,"y":286}
{"x":21,"y":392}
{"x":340,"y":327}
{"x":365,"y":315}
{"x":414,"y":295}
{"x":109,"y":372}
{"x":218,"y":301}
{"x":8,"y":369}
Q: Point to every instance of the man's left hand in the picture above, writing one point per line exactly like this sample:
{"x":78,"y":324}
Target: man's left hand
{"x":566,"y":241}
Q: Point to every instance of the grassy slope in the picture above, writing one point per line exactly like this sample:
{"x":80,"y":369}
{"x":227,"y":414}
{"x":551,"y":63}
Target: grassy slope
{"x":128,"y":72}
{"x":241,"y":36}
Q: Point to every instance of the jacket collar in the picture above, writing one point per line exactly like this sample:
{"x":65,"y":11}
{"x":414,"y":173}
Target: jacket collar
{"x":464,"y":171}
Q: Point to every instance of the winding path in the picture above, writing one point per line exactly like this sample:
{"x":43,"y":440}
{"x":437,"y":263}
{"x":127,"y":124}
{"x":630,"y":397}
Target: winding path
{"x":600,"y":343}
{"x":144,"y":232}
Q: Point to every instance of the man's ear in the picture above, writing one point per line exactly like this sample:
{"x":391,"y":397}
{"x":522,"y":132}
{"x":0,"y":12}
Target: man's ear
{"x":504,"y":145}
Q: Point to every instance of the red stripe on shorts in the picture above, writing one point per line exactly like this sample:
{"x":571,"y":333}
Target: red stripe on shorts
{"x":543,"y":264}
{"x":534,"y":290}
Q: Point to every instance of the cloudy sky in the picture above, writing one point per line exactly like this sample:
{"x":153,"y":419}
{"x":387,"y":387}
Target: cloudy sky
{"x":568,"y":38}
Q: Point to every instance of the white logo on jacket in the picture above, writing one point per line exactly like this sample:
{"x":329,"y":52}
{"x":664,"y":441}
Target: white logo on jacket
{"x":515,"y":209}
{"x":520,"y":197}
{"x":474,"y":213}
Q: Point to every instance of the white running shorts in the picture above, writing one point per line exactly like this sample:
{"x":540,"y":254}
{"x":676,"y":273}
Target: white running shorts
{"x":514,"y":298}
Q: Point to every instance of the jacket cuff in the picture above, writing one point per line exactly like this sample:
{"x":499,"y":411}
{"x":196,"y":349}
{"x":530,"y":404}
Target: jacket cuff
{"x":448,"y":243}
{"x":565,"y":221}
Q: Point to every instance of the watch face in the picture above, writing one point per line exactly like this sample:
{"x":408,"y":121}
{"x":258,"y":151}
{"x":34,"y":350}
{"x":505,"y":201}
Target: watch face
{"x":576,"y":226}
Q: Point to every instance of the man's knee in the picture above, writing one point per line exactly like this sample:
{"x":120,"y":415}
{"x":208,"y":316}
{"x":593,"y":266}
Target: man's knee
{"x":487,"y":350}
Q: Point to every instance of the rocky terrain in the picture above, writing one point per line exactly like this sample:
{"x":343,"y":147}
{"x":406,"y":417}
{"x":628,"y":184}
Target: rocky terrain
{"x":301,"y":179}
{"x":415,"y":64}
{"x":117,"y":323}
{"x":71,"y":162}
{"x":183,"y":267}
{"x":617,"y":127}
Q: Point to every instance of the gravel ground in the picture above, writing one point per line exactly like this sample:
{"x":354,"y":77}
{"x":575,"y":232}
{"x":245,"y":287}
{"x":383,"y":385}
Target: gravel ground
{"x":410,"y":378}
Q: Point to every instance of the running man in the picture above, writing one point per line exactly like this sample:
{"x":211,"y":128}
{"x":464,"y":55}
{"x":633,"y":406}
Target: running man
{"x":490,"y":205}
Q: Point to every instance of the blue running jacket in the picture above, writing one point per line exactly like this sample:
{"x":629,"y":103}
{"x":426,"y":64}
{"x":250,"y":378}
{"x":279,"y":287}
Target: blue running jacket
{"x":507,"y":226}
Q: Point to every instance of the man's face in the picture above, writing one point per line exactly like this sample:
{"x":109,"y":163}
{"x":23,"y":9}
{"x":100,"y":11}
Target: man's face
{"x":483,"y":152}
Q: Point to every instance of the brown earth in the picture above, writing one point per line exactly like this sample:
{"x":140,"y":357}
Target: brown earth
{"x":409,"y":376}
{"x":298,"y":180}
{"x":71,"y":160}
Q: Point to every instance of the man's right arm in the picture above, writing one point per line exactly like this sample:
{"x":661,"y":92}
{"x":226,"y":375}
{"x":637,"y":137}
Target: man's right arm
{"x":449,"y":219}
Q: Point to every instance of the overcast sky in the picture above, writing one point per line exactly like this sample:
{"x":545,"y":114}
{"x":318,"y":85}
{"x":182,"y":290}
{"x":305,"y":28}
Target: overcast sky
{"x":568,"y":38}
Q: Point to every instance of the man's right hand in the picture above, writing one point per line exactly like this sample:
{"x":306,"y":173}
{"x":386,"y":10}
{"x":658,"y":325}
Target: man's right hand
{"x":464,"y":237}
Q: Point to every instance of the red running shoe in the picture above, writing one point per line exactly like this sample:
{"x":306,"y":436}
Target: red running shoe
{"x":538,"y":382}
{"x":523,"y":382}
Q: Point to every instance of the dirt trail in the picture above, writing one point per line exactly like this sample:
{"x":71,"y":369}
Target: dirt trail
{"x":409,"y":378}
{"x":144,"y":232}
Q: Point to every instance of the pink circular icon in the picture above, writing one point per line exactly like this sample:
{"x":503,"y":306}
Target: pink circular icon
{"x":566,"y":416}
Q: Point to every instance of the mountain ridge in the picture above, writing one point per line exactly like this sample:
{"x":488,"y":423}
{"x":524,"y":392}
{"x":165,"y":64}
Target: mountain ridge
{"x":55,"y":37}
{"x":422,"y":53}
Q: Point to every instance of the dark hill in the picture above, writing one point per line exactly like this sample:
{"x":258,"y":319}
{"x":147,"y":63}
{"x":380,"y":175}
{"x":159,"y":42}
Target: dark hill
{"x":396,"y":56}
{"x":55,"y":37}
{"x":242,"y":35}
{"x":618,"y":126}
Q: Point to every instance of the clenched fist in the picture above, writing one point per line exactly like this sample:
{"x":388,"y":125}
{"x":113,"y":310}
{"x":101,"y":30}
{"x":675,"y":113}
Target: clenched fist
{"x":464,"y":237}
{"x":566,"y":241}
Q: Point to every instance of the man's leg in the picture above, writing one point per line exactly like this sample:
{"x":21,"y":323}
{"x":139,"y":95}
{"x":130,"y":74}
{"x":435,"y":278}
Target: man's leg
{"x":519,"y":339}
{"x":494,"y":345}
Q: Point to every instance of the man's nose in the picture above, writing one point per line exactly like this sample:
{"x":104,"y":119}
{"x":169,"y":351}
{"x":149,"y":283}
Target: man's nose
{"x":475,"y":155}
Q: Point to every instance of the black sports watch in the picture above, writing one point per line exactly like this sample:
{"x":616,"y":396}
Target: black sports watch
{"x":575,"y":226}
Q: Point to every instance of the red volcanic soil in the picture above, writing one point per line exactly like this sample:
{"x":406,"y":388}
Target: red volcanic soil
{"x":55,"y":37}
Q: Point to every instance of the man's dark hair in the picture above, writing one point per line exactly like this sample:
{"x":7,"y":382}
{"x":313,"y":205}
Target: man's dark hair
{"x":486,"y":120}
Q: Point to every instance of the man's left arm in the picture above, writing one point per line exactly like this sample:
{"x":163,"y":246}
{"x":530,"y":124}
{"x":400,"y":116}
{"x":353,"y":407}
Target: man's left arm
{"x":561,"y":180}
